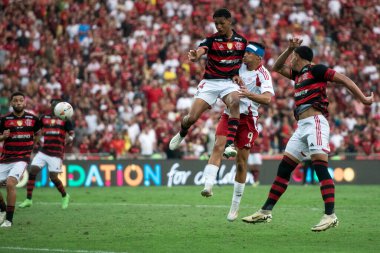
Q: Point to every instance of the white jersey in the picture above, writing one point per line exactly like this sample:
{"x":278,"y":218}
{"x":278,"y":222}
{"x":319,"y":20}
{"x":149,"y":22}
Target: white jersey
{"x":257,"y":81}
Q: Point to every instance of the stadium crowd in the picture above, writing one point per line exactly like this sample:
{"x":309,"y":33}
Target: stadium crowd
{"x":123,"y":65}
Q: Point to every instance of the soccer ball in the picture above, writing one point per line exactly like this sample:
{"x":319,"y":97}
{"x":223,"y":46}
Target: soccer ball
{"x":63,"y":110}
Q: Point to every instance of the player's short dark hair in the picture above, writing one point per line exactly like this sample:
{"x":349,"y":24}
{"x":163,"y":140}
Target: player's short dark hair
{"x":17,"y":93}
{"x":305,"y":53}
{"x":222,"y":13}
{"x":55,"y":101}
{"x":256,"y":44}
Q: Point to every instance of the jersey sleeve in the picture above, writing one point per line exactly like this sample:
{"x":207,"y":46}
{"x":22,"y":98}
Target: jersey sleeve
{"x":206,"y":43}
{"x":322,"y":72}
{"x":266,"y":82}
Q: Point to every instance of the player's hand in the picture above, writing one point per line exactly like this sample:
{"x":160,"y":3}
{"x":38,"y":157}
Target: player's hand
{"x":192,"y":55}
{"x":69,"y":141}
{"x":294,"y":42}
{"x":243,"y":92}
{"x":6,"y":133}
{"x":368,"y":100}
{"x":237,"y":79}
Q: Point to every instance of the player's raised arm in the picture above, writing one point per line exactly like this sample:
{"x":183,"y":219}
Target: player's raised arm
{"x":279,"y":65}
{"x":350,"y":85}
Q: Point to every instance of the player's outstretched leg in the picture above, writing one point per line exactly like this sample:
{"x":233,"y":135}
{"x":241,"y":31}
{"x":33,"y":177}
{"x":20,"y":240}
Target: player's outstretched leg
{"x":329,"y":219}
{"x":236,"y":198}
{"x":58,"y":184}
{"x":278,"y":187}
{"x":210,"y":173}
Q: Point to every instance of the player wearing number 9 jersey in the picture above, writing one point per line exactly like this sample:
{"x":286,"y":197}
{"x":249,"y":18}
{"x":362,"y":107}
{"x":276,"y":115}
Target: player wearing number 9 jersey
{"x":257,"y":90}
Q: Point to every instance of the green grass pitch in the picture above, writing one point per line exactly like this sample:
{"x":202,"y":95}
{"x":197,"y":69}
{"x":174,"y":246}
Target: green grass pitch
{"x":178,"y":219}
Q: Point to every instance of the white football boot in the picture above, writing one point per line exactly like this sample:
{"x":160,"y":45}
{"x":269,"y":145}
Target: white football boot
{"x":2,"y":216}
{"x":233,"y":213}
{"x":175,"y":141}
{"x":6,"y":224}
{"x":327,"y":221}
{"x":230,"y":151}
{"x":261,"y":216}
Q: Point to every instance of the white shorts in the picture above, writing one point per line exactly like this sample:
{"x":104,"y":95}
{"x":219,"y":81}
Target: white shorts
{"x":53,"y":163}
{"x":210,"y":90}
{"x":15,"y":170}
{"x":255,"y":159}
{"x":311,"y":137}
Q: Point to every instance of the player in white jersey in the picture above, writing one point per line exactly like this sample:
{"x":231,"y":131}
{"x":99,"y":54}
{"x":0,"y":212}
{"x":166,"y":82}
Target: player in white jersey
{"x":258,"y":90}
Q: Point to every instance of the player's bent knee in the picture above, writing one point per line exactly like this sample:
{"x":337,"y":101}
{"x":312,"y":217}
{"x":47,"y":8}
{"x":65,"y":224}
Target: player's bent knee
{"x":53,"y":175}
{"x":11,"y":183}
{"x":34,"y":170}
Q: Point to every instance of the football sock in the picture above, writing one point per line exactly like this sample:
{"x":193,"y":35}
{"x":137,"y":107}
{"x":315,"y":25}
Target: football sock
{"x":256,"y":173}
{"x":238,"y":193}
{"x":183,"y":131}
{"x":326,"y":185}
{"x":10,"y":211}
{"x":3,"y":206}
{"x":59,"y":186}
{"x":30,"y":186}
{"x":210,"y":175}
{"x":233,"y":124}
{"x":280,"y":183}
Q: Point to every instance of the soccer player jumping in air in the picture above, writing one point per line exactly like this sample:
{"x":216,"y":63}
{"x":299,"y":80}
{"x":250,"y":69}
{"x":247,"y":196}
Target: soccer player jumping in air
{"x":225,"y":50}
{"x":257,"y":90}
{"x":312,"y":134}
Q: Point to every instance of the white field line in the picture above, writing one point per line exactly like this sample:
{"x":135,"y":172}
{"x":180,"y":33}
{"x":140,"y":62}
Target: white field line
{"x":132,"y":204}
{"x":55,"y":250}
{"x":166,"y":205}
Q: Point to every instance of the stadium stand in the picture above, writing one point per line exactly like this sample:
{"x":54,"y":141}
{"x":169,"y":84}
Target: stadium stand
{"x":123,"y":65}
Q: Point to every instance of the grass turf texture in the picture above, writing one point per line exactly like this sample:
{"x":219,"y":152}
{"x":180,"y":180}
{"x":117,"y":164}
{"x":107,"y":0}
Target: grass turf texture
{"x":178,"y":219}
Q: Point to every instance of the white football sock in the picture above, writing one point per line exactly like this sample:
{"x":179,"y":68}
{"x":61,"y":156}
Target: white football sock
{"x":209,"y":174}
{"x":238,"y":193}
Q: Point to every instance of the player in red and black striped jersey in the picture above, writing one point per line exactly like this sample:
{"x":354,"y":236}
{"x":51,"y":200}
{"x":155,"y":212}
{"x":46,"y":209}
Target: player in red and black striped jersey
{"x":224,"y":55}
{"x":225,"y":50}
{"x":18,"y":129}
{"x":53,"y":141}
{"x":312,"y":134}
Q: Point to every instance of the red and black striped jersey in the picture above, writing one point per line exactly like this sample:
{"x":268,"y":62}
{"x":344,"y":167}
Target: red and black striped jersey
{"x":54,"y":133}
{"x":310,"y":87}
{"x":224,"y":56}
{"x":19,"y":145}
